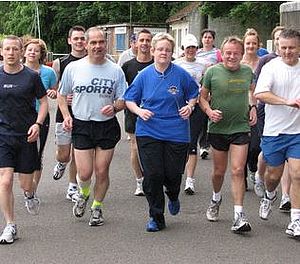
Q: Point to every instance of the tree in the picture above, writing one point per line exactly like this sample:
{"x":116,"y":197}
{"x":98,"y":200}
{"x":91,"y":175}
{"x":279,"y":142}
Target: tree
{"x":242,"y":11}
{"x":57,"y":17}
{"x":17,"y":17}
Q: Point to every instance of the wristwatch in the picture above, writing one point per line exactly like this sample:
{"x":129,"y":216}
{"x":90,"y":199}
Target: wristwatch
{"x":39,"y":124}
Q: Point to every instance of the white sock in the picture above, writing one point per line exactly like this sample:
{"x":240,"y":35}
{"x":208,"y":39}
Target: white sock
{"x":285,"y":196}
{"x":216,"y":196}
{"x":295,"y":214}
{"x":140,"y":180}
{"x":238,"y":209}
{"x":190,"y":179}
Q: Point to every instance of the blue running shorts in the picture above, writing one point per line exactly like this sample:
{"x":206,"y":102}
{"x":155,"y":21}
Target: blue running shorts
{"x":277,"y":149}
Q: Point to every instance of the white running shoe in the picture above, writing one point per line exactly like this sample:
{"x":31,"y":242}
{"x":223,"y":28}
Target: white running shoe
{"x":9,"y":234}
{"x":96,"y":218}
{"x":259,"y":189}
{"x":285,"y":204}
{"x":72,"y":194}
{"x":204,"y":153}
{"x":59,"y":170}
{"x":265,"y":208}
{"x":212,"y":212}
{"x":293,"y":229}
{"x":251,"y":175}
{"x":32,"y":204}
{"x":139,"y":188}
{"x":241,"y":224}
{"x":189,"y":188}
{"x":79,"y":206}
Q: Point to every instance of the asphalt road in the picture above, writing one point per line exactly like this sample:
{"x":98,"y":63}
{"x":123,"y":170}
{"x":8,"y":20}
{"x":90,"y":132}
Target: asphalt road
{"x":55,"y":236}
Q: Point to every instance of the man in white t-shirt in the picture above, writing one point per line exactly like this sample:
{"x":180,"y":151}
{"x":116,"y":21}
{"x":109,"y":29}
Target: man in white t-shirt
{"x":130,"y":53}
{"x":97,"y":85}
{"x":278,"y":87}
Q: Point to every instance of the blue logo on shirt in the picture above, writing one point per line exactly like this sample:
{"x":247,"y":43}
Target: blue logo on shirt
{"x":99,"y":86}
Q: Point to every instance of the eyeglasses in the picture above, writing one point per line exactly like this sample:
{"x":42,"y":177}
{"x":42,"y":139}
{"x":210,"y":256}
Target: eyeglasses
{"x":164,"y":50}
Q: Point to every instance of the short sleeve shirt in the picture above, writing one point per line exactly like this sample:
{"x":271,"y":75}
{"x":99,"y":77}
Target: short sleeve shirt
{"x":18,"y":93}
{"x":230,"y":94}
{"x":163,"y":94}
{"x":282,"y":80}
{"x":93,"y":86}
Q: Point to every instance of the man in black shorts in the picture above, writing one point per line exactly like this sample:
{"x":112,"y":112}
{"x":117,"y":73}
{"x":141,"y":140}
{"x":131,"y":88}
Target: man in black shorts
{"x":98,"y":86}
{"x":131,"y":69}
{"x":19,"y":130}
{"x":64,"y":152}
{"x":230,"y":85}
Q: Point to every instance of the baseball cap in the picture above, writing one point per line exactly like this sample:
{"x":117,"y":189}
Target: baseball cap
{"x":188,"y":41}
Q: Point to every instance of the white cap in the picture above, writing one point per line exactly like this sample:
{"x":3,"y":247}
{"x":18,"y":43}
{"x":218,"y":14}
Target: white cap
{"x":188,"y":41}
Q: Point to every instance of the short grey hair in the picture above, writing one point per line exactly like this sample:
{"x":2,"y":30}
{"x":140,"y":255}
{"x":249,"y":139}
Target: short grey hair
{"x":163,"y":36}
{"x":289,"y":33}
{"x":87,"y":33}
{"x":232,"y":39}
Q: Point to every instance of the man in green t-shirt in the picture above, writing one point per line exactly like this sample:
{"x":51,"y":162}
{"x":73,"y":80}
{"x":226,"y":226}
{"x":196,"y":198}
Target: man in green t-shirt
{"x":229,"y":86}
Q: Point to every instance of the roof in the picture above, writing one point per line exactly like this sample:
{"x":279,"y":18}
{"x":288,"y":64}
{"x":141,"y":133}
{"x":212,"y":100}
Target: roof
{"x":182,"y":13}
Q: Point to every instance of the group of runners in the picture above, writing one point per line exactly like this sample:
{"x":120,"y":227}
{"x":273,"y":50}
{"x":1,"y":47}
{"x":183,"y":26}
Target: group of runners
{"x":227,"y":98}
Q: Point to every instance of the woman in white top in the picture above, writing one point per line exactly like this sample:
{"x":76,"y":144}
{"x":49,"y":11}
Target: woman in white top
{"x":196,"y":70}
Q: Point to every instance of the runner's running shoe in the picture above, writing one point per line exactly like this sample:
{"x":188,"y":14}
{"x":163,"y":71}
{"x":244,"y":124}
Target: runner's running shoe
{"x":241,"y":224}
{"x":96,"y":218}
{"x":9,"y":234}
{"x":59,"y":170}
{"x":189,"y":188}
{"x":79,"y":206}
{"x":265,"y":208}
{"x":32,"y":204}
{"x":212,"y":212}
{"x":293,"y":229}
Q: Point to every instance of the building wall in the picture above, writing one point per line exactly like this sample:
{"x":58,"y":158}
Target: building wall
{"x":194,"y":23}
{"x":127,"y":30}
{"x":290,"y":15}
{"x":225,"y":27}
{"x":178,"y":30}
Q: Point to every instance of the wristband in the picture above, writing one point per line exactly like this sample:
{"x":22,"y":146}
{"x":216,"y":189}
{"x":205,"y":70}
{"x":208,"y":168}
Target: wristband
{"x":253,"y":106}
{"x":190,"y":107}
